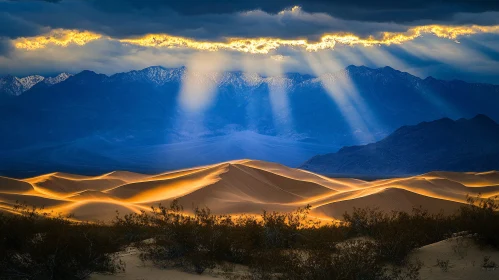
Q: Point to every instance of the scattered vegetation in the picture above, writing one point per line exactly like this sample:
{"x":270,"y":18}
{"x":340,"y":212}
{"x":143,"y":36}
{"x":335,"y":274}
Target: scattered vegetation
{"x":461,"y":244}
{"x":369,"y":244}
{"x":443,"y":264}
{"x":38,"y":246}
{"x":398,"y":233}
{"x":481,"y":218}
{"x":488,"y":264}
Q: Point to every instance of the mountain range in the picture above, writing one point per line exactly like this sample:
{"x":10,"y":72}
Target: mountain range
{"x":14,"y":86}
{"x":445,"y":145}
{"x":91,"y":123}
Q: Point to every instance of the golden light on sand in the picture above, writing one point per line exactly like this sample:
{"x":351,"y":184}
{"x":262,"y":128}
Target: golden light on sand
{"x":63,"y":37}
{"x":242,"y":187}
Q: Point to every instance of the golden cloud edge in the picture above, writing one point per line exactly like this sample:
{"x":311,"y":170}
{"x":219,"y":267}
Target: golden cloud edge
{"x":67,"y":37}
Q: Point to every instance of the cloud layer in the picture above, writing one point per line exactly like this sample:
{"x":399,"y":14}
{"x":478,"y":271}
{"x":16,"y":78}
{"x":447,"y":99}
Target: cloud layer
{"x":214,"y":20}
{"x":455,"y":40}
{"x":63,"y":37}
{"x":381,"y":10}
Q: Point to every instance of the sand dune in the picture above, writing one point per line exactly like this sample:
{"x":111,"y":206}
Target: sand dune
{"x":8,"y":185}
{"x":470,"y":179}
{"x":465,"y":260}
{"x":387,"y":200}
{"x":60,"y":186}
{"x":242,"y":186}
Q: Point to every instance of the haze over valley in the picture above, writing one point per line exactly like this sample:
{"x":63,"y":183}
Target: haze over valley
{"x":90,"y":123}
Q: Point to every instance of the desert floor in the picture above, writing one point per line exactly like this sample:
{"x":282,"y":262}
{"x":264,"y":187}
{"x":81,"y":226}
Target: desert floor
{"x":464,"y":263}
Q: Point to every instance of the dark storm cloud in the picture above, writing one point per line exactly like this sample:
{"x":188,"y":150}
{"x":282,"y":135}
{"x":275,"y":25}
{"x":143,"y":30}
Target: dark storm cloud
{"x":5,"y":46}
{"x":214,"y":19}
{"x":127,"y":20}
{"x":13,"y":26}
{"x":380,"y":10}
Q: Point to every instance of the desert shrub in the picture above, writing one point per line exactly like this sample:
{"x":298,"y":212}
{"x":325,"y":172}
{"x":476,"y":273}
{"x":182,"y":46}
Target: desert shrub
{"x":269,"y":264}
{"x":273,"y":246}
{"x":460,"y":244}
{"x":488,"y":263}
{"x":133,"y":227}
{"x":324,"y":237}
{"x":443,"y":264}
{"x":204,"y":240}
{"x":193,"y":242}
{"x":398,"y":233}
{"x":410,"y":271}
{"x":481,"y":218}
{"x":39,"y":246}
{"x":370,"y":244}
{"x":352,"y":259}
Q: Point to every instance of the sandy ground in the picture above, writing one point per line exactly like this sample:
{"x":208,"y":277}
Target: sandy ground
{"x":138,"y":270}
{"x":242,"y":187}
{"x":463,"y":257}
{"x":465,"y":260}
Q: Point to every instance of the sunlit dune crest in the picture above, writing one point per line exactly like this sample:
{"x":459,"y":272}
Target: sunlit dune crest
{"x":64,"y":37}
{"x":242,"y":187}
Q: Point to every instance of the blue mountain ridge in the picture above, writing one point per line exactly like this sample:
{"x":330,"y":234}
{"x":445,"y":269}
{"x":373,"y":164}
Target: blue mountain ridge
{"x":91,"y":123}
{"x":441,"y":145}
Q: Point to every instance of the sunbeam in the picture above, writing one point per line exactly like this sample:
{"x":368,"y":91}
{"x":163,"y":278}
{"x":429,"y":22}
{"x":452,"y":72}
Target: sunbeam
{"x":345,"y":83}
{"x":251,"y":76}
{"x":200,"y":80}
{"x":443,"y":51}
{"x":382,"y":57}
{"x":198,"y":89}
{"x":279,"y":100}
{"x":340,"y":91}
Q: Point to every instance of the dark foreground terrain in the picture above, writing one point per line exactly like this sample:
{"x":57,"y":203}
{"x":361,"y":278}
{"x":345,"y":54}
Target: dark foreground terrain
{"x":367,"y":244}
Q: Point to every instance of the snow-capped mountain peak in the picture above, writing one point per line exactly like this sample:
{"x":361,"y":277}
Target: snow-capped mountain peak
{"x":10,"y":85}
{"x":14,"y":86}
{"x":156,"y":75}
{"x":29,"y":81}
{"x":57,"y":79}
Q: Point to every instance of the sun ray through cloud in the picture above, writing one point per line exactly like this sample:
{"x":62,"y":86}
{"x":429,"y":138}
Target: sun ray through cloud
{"x":279,"y":100}
{"x":340,"y":95}
{"x":198,"y":89}
{"x":346,"y":84}
{"x":200,"y":80}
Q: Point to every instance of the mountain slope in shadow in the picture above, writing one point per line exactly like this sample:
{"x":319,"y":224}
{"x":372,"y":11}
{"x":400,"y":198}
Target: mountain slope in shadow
{"x":444,"y":144}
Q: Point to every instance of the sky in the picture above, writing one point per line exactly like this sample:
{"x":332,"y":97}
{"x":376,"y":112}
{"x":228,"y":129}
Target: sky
{"x":452,"y":39}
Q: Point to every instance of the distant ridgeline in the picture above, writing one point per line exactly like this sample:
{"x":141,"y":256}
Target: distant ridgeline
{"x":93,"y":123}
{"x":444,"y":145}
